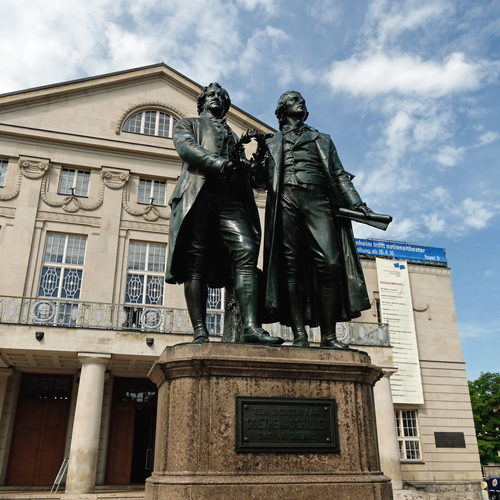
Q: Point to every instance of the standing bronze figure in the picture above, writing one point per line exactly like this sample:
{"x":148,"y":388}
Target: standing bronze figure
{"x":313,"y":273}
{"x":214,"y":224}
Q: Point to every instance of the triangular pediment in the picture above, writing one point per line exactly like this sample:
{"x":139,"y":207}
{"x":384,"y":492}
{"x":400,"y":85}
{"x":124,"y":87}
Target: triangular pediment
{"x":99,"y":106}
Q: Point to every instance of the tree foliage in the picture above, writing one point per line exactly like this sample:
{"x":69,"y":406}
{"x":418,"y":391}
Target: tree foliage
{"x":485,"y":399}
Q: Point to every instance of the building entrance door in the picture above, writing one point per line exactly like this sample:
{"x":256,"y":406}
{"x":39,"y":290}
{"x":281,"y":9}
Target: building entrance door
{"x":39,"y":438}
{"x":131,"y":431}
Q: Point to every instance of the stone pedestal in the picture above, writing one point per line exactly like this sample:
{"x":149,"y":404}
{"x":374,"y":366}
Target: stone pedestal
{"x":196,"y":455}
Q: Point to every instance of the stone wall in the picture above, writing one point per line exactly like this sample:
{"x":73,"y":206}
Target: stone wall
{"x":440,"y":491}
{"x":492,"y":471}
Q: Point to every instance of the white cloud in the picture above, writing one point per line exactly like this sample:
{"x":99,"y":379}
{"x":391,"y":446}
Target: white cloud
{"x":65,"y":39}
{"x":397,"y":133}
{"x":488,"y":138}
{"x":449,"y":156}
{"x":326,"y":12}
{"x":418,"y":91}
{"x":435,"y":223}
{"x":270,"y":6}
{"x":404,"y":228}
{"x":259,"y":43}
{"x":477,"y":213}
{"x":387,"y":20}
{"x":380,"y":73}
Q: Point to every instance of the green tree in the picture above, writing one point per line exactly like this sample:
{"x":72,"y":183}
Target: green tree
{"x":485,"y":399}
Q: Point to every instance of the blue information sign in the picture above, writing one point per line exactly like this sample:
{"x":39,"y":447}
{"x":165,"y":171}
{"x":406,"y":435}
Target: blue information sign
{"x":400,"y":250}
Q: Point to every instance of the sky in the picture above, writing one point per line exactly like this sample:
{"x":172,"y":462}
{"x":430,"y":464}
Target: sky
{"x":408,"y":89}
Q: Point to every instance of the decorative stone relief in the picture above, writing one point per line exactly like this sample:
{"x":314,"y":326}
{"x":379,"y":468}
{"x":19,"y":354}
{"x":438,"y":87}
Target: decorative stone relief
{"x":33,"y":169}
{"x":10,"y":195}
{"x":151,"y":319}
{"x":43,"y":311}
{"x":151,"y":213}
{"x":437,"y":271}
{"x":114,"y":180}
{"x":143,"y":226}
{"x":137,"y":108}
{"x":423,"y":309}
{"x":7,"y":212}
{"x":72,"y":219}
{"x":72,"y":203}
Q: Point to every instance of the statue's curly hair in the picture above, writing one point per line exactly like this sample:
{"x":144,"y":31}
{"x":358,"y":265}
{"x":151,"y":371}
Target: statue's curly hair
{"x":280,"y":108}
{"x":200,"y":100}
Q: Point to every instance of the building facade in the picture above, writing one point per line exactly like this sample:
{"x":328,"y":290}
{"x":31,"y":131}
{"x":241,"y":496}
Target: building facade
{"x":86,"y":171}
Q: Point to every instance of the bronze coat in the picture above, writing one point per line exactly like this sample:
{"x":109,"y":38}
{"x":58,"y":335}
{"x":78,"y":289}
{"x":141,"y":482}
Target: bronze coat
{"x":342,"y":193}
{"x":199,"y":145}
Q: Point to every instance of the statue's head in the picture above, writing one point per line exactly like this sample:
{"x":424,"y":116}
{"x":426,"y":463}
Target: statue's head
{"x":291,"y":102}
{"x":213,"y":98}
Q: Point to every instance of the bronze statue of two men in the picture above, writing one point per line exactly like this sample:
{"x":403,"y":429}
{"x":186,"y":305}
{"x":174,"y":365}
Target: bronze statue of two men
{"x":312,"y":273}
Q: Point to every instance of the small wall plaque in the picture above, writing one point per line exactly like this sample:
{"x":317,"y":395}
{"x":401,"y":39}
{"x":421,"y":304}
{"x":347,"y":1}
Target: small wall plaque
{"x":449,"y":439}
{"x":292,"y":425}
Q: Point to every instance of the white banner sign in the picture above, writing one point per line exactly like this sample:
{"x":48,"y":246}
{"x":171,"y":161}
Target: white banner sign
{"x":397,"y":310}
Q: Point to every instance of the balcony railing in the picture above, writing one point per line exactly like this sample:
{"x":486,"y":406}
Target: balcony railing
{"x":352,"y":333}
{"x":81,"y":314}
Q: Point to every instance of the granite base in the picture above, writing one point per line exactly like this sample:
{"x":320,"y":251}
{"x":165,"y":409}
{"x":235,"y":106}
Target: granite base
{"x":196,"y":455}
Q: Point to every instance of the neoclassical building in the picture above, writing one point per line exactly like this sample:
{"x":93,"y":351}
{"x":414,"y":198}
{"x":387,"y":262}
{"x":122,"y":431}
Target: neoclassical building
{"x":86,"y":171}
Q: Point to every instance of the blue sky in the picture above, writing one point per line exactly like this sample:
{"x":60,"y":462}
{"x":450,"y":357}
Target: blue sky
{"x":408,"y":90}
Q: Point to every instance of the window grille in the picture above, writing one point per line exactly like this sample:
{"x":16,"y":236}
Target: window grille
{"x":3,"y":172}
{"x":145,"y":273}
{"x":215,"y":303}
{"x":408,"y":435}
{"x":74,"y":182}
{"x":151,"y":192}
{"x":151,"y":123}
{"x":62,"y":273}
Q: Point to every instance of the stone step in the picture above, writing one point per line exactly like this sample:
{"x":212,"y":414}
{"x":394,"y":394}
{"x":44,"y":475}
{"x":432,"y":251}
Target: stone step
{"x":29,"y":494}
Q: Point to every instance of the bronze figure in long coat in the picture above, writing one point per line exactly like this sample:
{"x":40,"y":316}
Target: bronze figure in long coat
{"x":214,"y":226}
{"x":302,"y":164}
{"x":199,"y":146}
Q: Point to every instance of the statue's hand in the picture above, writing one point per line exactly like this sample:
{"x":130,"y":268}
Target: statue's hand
{"x":361,"y":207}
{"x":243,"y":165}
{"x":228,"y":168}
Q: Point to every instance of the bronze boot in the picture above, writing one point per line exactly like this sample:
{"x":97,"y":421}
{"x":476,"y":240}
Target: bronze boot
{"x":245,"y":287}
{"x":300,"y":338}
{"x":328,"y":302}
{"x":196,"y":293}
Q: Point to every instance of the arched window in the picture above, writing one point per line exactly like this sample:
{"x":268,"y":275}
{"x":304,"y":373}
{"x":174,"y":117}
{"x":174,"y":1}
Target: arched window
{"x":151,"y":123}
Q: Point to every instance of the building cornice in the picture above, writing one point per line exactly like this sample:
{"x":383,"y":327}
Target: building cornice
{"x":50,"y":137}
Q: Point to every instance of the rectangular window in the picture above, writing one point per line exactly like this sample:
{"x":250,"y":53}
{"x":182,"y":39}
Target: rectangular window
{"x":150,"y":122}
{"x":3,"y":172}
{"x":408,"y":435}
{"x":74,"y":182}
{"x":145,"y":273}
{"x":152,"y":192}
{"x":215,"y":311}
{"x":62,"y":269}
{"x":164,"y":125}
